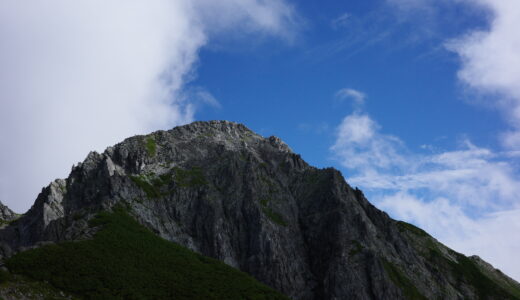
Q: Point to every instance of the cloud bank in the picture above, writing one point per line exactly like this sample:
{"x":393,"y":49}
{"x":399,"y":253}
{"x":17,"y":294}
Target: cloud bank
{"x":467,"y":198}
{"x":491,"y":61}
{"x":81,"y":75}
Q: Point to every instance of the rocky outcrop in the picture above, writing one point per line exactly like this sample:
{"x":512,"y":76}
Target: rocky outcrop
{"x":6,"y":215}
{"x":223,"y":191}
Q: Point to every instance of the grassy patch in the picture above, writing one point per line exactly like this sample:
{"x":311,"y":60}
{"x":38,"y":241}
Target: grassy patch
{"x":208,"y":134}
{"x":13,"y":221}
{"x":356,"y":248}
{"x":403,"y":226}
{"x":467,"y":270}
{"x":312,"y":177}
{"x":271,"y":186}
{"x":189,"y":178}
{"x":510,"y":287}
{"x":264,"y":202}
{"x":127,"y":261}
{"x":154,"y":186}
{"x":4,"y":276}
{"x":150,"y":187}
{"x":402,"y":281}
{"x":272,"y":215}
{"x":20,"y":287}
{"x":151,"y":146}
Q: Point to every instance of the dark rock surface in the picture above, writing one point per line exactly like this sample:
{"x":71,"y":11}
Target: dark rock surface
{"x":222,"y":190}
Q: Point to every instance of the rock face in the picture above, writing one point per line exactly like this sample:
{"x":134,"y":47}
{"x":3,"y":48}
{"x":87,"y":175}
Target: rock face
{"x":6,"y":215}
{"x":223,"y":191}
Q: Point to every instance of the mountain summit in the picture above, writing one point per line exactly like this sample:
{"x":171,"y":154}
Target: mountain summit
{"x":225,"y":192}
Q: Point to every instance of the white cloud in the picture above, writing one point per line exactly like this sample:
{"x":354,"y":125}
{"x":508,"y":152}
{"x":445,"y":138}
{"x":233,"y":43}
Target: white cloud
{"x":354,"y":95}
{"x":440,"y":217}
{"x":270,"y":17}
{"x":466,"y":198}
{"x":475,"y":177}
{"x":360,"y":146}
{"x":491,"y":61}
{"x":491,"y":58}
{"x":82,"y":75}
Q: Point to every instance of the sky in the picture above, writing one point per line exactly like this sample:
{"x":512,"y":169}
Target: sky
{"x":416,"y":102}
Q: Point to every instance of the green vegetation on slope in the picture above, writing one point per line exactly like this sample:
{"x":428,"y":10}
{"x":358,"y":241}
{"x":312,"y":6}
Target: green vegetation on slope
{"x":399,"y":279}
{"x":151,"y":146}
{"x":271,"y":214}
{"x":411,"y":228}
{"x":151,"y":188}
{"x":189,"y":178}
{"x":154,"y":186}
{"x":20,"y":287}
{"x":463,"y":269}
{"x":500,"y":278}
{"x":12,"y":221}
{"x":467,"y":270}
{"x":126,"y":260}
{"x":356,"y":248}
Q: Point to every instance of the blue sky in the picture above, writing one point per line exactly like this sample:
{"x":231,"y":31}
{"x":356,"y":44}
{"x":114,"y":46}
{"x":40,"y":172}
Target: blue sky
{"x":410,"y":81}
{"x":417,"y":102}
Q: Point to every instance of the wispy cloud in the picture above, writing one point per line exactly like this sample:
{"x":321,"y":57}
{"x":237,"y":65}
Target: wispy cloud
{"x":383,"y":27}
{"x":466,"y":197}
{"x":356,"y":34}
{"x":340,"y":21}
{"x":82,"y":75}
{"x":201,"y":96}
{"x":352,"y":94}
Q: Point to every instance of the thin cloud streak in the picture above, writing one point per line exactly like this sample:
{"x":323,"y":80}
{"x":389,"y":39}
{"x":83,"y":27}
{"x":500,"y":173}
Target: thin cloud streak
{"x":352,"y":94}
{"x":340,"y":21}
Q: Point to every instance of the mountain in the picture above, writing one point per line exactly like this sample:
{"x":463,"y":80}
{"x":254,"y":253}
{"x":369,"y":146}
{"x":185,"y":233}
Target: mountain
{"x":178,"y":203}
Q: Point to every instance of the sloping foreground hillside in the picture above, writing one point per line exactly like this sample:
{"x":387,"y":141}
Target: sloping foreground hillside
{"x":225,"y":192}
{"x":126,"y":260}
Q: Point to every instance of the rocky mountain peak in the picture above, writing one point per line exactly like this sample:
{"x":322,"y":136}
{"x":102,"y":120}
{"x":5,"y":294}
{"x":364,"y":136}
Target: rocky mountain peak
{"x":234,"y":136}
{"x":226,"y":192}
